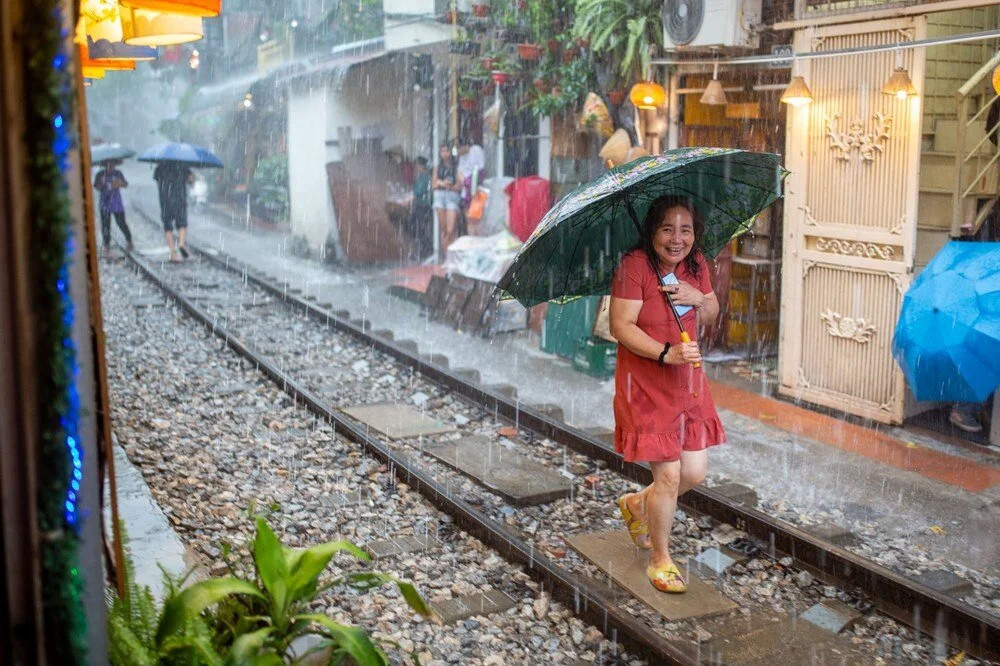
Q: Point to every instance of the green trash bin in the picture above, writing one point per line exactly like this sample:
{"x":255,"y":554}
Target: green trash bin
{"x":565,"y":324}
{"x":596,"y":356}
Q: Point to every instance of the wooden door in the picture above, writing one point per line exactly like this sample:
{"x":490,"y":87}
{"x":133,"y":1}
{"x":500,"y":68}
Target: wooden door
{"x":850,"y":220}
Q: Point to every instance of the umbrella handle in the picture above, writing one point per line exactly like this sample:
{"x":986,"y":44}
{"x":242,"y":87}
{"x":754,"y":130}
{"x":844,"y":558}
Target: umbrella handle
{"x":687,"y":338}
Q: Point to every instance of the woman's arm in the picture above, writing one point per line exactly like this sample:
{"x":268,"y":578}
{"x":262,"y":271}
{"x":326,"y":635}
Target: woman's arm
{"x":687,"y":294}
{"x":622,"y":317}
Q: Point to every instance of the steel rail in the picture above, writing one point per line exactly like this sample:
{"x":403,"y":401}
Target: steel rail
{"x":589,"y":601}
{"x":961,"y":625}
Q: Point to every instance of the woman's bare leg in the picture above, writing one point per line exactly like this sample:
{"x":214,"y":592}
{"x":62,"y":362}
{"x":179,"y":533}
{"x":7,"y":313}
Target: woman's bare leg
{"x":694,"y":465}
{"x":661,"y":502}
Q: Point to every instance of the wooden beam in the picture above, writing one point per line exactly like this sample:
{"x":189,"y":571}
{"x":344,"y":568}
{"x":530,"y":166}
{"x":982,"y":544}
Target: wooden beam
{"x":895,"y":12}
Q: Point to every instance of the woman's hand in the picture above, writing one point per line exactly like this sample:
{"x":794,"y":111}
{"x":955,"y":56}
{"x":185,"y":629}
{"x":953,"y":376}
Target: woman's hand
{"x":683,"y":353}
{"x":684,"y":294}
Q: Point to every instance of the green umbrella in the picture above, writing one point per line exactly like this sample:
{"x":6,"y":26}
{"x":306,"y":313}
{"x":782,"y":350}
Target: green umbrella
{"x":577,"y":245}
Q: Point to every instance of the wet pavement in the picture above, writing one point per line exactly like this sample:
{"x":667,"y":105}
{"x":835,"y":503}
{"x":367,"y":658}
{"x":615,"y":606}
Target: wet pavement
{"x":798,"y":476}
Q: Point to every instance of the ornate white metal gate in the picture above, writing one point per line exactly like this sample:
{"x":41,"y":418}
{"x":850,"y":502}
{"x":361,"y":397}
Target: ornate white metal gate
{"x":850,"y":220}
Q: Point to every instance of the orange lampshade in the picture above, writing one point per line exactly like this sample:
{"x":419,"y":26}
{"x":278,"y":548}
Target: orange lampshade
{"x":146,"y":27}
{"x":899,"y":85}
{"x":199,"y":8}
{"x":797,"y":93}
{"x":93,"y":72}
{"x":996,"y":79}
{"x":648,"y":95}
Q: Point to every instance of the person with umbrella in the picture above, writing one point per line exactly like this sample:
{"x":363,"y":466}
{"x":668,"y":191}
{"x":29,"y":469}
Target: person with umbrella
{"x":664,"y":414}
{"x":109,"y":183}
{"x":173,"y":175}
{"x":643,"y":231}
{"x":172,"y":179}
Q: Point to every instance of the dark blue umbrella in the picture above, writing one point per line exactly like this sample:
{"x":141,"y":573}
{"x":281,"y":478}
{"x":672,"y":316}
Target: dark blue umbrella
{"x":109,"y":152}
{"x":948,"y":336}
{"x":190,"y":155}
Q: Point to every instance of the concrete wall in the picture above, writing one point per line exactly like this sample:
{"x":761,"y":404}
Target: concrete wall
{"x":312,"y":215}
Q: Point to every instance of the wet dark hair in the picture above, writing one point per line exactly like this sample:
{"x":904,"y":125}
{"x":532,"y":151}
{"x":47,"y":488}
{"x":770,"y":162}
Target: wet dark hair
{"x":421,"y":160}
{"x":654,"y":218}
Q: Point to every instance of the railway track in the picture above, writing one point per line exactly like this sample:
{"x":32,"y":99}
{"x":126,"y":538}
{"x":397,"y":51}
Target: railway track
{"x":956,"y":623}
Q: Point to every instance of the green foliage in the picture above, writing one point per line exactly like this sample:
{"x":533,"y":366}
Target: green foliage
{"x":229,"y":621}
{"x":270,"y":184}
{"x":626,"y":31}
{"x":574,"y":79}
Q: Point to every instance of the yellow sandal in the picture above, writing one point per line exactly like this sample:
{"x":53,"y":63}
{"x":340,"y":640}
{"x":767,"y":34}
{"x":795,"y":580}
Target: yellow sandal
{"x":666,"y":578}
{"x":636,"y":526}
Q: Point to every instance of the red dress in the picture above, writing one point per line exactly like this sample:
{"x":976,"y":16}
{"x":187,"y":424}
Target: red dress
{"x":660,"y":410}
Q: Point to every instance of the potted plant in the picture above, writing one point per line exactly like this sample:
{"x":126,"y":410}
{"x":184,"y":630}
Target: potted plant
{"x":503,"y":70}
{"x":541,"y":84}
{"x":480,"y":9}
{"x":468,"y":98}
{"x":253,"y":618}
{"x":627,"y":32}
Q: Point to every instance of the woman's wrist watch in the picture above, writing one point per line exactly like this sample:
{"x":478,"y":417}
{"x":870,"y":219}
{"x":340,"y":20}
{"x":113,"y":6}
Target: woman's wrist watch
{"x":663,"y":354}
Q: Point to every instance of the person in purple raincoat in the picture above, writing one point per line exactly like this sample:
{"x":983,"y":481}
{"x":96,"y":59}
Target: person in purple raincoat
{"x":109,"y":183}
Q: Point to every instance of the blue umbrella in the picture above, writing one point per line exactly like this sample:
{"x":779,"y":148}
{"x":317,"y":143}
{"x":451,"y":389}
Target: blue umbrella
{"x":109,"y":152}
{"x":948,"y":336}
{"x":181,"y":152}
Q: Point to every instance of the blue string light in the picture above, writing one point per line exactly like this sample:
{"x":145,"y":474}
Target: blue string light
{"x":61,"y":145}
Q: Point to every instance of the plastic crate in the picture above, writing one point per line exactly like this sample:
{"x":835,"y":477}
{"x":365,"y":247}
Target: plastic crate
{"x":568,"y":322}
{"x":595,"y":356}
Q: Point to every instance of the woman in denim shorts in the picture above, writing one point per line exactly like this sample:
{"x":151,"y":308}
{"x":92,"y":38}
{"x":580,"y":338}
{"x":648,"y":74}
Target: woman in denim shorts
{"x":446,"y":196}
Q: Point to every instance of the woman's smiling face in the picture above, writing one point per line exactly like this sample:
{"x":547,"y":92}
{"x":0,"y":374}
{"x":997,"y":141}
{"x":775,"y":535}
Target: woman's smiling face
{"x":674,"y":237}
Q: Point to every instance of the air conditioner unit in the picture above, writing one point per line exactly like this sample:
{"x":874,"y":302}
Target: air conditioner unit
{"x":705,"y":24}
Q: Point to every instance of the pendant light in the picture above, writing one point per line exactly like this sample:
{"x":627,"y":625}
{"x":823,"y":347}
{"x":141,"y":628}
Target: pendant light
{"x":714,"y":95}
{"x":647,"y":95}
{"x":199,"y":8}
{"x":102,"y":26}
{"x":146,"y":27}
{"x":899,"y":84}
{"x":797,"y":93}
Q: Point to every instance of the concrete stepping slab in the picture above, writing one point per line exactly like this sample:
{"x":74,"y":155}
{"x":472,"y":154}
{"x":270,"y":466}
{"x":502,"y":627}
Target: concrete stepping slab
{"x":616,"y":555}
{"x":436,"y":359}
{"x":761,"y":640}
{"x":401,"y":545}
{"x":506,"y":390}
{"x":397,"y":421}
{"x":715,"y":561}
{"x":518,"y":479}
{"x":738,"y":493}
{"x":470,"y":375}
{"x":407,"y":345}
{"x":148,"y":302}
{"x":945,"y":581}
{"x":550,"y":410}
{"x":832,"y":615}
{"x":836,"y":534}
{"x":479,"y":603}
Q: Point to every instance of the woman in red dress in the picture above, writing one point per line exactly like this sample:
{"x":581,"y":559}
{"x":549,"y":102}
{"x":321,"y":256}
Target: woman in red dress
{"x":664,"y":413}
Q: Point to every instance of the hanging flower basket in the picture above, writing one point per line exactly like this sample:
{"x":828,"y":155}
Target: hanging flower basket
{"x":480,"y":10}
{"x":616,"y":97}
{"x":501,"y":78}
{"x":468,"y":103}
{"x":529,"y":51}
{"x":541,"y":85}
{"x":570,"y":53}
{"x":487,"y":63}
{"x":553,"y":45}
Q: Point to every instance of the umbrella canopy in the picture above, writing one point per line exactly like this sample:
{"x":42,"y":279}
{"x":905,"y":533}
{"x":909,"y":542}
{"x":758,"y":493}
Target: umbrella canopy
{"x":190,"y":155}
{"x":948,"y":332}
{"x":109,"y":152}
{"x":577,"y":245}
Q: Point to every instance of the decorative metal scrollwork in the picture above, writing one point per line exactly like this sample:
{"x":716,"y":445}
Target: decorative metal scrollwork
{"x":855,"y":248}
{"x":866,"y":143}
{"x":849,"y":328}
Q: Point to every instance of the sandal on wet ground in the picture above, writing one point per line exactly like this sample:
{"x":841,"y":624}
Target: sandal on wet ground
{"x":636,"y":526}
{"x":666,"y":578}
{"x":184,"y":251}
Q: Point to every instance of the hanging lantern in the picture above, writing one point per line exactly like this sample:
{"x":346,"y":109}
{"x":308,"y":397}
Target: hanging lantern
{"x":90,"y":72}
{"x":145,"y":27}
{"x":899,"y":85}
{"x":797,"y":93}
{"x":714,"y":95}
{"x":199,"y":8}
{"x":996,"y":79}
{"x":648,"y":95}
{"x":105,"y":50}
